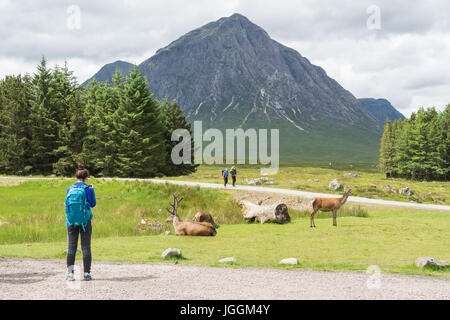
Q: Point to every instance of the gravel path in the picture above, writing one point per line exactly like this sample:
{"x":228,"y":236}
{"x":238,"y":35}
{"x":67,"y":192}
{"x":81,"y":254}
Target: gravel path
{"x":306,"y":194}
{"x":44,"y":279}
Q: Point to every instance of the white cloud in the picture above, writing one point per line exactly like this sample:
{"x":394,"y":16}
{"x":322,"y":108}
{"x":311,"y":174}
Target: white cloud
{"x":406,"y":61}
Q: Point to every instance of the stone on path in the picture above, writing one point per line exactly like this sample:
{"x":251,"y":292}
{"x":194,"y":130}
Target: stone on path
{"x":229,"y":259}
{"x":171,"y":252}
{"x":289,"y":261}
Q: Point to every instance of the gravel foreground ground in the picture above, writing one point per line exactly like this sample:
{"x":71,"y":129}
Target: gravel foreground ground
{"x":44,"y":279}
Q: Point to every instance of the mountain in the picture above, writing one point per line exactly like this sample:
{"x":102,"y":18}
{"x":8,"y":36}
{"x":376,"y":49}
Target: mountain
{"x":381,"y":109}
{"x":108,"y":70}
{"x":230,"y":73}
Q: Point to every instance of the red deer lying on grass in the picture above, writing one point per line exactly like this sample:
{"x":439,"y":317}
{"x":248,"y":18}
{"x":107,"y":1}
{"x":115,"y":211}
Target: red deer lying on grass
{"x":188,"y":228}
{"x":329,"y":204}
{"x":202,"y":216}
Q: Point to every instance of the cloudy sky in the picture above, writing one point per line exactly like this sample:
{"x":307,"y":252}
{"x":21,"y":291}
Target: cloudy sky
{"x":399,"y":50}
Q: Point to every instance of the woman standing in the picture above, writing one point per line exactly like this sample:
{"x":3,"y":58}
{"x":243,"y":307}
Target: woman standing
{"x":80,"y":199}
{"x":225,"y":177}
{"x":233,"y":173}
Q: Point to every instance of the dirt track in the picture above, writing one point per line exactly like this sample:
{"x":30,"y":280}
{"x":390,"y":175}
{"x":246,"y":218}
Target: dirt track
{"x":44,"y":279}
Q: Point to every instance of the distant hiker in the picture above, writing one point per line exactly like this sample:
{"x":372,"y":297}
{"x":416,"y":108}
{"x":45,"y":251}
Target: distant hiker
{"x":225,"y":177}
{"x":80,"y":199}
{"x":233,"y":173}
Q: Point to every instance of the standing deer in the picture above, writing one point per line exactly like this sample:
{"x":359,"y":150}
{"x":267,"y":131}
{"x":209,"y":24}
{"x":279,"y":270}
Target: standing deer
{"x":329,"y":204}
{"x":187,"y":228}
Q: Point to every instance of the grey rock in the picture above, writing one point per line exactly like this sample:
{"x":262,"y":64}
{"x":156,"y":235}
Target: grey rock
{"x":352,"y":175}
{"x":423,"y":262}
{"x":171,"y":253}
{"x":391,"y":188}
{"x":147,"y":224}
{"x":406,"y":191}
{"x":229,"y":259}
{"x":335,"y":185}
{"x":289,"y":261}
{"x":261,"y":181}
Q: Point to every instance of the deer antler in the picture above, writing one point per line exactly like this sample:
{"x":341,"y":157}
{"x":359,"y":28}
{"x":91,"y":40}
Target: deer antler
{"x":175,"y":204}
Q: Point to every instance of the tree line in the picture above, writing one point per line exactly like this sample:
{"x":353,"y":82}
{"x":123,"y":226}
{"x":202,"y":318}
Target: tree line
{"x":49,"y":124}
{"x":418,"y":147}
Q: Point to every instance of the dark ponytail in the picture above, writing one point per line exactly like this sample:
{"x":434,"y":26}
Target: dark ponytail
{"x":82,"y":173}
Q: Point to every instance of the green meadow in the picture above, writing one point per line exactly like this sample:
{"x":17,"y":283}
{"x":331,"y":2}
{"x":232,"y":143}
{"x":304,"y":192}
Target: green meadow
{"x":316,"y":177}
{"x":32,"y":216}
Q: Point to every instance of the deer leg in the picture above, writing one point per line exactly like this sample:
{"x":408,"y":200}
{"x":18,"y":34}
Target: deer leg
{"x":311,"y":222}
{"x":334,"y":218}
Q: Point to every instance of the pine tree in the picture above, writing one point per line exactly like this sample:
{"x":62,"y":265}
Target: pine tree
{"x":15,"y":134}
{"x":139,"y":130}
{"x":402,"y":149}
{"x":101,"y":144}
{"x":177,"y":120}
{"x":44,"y":121}
{"x":387,"y":152}
{"x":72,"y":121}
{"x":443,"y":147}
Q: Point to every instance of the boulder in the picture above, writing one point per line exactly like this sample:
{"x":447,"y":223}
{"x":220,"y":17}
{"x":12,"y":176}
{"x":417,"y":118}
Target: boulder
{"x":171,"y":253}
{"x":261,"y":181}
{"x":277,"y":212}
{"x":391,"y":188}
{"x":423,"y":262}
{"x":406,"y":191}
{"x":146,"y":224}
{"x":352,"y":175}
{"x":289,"y":261}
{"x":229,"y":259}
{"x":335,"y":185}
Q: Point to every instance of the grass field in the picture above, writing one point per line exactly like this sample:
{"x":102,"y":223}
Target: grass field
{"x":32,"y":217}
{"x":316,"y":177}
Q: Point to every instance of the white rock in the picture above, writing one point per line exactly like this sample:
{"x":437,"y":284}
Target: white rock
{"x":167,"y":232}
{"x":229,"y":259}
{"x":171,"y":252}
{"x":289,"y":261}
{"x":422,"y":262}
{"x":335,"y":185}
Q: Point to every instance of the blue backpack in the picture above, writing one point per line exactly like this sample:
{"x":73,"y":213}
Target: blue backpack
{"x":78,"y":212}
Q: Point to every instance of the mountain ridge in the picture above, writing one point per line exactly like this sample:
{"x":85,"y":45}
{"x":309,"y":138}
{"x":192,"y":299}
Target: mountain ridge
{"x":229,"y":73}
{"x":381,"y":109}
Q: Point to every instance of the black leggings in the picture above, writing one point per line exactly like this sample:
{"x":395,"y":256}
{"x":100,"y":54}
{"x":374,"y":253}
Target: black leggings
{"x":72,"y":240}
